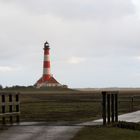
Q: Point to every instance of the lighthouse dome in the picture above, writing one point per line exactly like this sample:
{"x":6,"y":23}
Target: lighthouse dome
{"x":46,"y":44}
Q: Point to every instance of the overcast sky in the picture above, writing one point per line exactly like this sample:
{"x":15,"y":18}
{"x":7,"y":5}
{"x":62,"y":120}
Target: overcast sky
{"x":94,"y":43}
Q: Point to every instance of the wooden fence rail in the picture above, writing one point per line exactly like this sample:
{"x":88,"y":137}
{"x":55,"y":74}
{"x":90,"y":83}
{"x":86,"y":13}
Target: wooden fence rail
{"x":9,"y":107}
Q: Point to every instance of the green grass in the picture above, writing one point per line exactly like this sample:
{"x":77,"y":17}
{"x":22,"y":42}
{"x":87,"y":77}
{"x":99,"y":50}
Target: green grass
{"x":66,"y":106}
{"x":60,"y":111}
{"x":92,"y":133}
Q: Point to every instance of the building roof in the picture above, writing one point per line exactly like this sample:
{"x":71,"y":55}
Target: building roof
{"x":52,"y":80}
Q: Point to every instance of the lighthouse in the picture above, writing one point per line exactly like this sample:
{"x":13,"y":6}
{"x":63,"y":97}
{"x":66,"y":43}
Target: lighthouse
{"x":47,"y":80}
{"x":46,"y":63}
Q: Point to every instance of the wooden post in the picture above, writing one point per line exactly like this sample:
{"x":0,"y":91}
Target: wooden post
{"x":11,"y":107}
{"x":108,"y":108}
{"x":3,"y":108}
{"x":116,"y":107}
{"x":17,"y":108}
{"x":112,"y":107}
{"x":104,"y":107}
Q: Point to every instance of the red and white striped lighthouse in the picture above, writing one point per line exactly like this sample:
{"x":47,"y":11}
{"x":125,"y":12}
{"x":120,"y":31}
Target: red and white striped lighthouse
{"x":47,"y":80}
{"x":46,"y":63}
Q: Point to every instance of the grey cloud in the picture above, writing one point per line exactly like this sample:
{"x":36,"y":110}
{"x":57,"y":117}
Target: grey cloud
{"x":76,"y":9}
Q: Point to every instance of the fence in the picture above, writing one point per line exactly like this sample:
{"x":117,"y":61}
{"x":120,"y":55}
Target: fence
{"x":132,"y":101}
{"x":68,"y":107}
{"x":9,"y":107}
{"x":110,"y":106}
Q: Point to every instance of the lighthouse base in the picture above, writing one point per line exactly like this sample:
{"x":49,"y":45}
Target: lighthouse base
{"x":49,"y":83}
